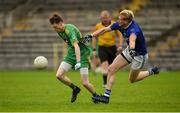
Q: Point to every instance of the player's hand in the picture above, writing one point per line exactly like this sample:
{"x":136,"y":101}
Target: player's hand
{"x":133,"y":53}
{"x":78,"y":65}
{"x":87,"y":39}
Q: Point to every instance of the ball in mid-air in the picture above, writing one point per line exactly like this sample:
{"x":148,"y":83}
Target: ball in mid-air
{"x":40,"y":62}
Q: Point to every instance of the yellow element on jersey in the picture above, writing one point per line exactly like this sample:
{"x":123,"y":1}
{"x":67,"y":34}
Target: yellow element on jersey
{"x":108,"y":38}
{"x":66,"y":31}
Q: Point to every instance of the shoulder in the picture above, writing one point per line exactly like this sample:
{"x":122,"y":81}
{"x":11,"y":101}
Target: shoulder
{"x":115,"y":25}
{"x":135,"y":25}
{"x":134,"y":28}
{"x":112,"y":22}
{"x":70,"y":26}
{"x":98,"y":25}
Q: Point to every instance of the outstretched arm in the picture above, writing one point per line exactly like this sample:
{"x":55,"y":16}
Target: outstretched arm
{"x":101,"y":31}
{"x":88,"y":38}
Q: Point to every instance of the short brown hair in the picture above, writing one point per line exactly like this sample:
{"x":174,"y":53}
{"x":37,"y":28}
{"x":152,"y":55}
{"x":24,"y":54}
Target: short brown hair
{"x":55,"y":18}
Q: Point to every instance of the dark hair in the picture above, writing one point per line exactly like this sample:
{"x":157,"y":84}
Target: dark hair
{"x":55,"y":18}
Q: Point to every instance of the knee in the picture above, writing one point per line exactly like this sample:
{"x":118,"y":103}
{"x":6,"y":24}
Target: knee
{"x":133,"y":75}
{"x":59,"y":76}
{"x":110,"y":70}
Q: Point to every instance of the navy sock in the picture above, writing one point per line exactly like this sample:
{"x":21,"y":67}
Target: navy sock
{"x":107,"y":93}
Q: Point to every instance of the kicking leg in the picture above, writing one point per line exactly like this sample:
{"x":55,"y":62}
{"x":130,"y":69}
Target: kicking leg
{"x":137,"y":75}
{"x":63,"y":68}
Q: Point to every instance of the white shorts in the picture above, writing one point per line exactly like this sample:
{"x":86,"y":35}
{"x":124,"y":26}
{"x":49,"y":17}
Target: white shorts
{"x":138,"y":62}
{"x":66,"y":66}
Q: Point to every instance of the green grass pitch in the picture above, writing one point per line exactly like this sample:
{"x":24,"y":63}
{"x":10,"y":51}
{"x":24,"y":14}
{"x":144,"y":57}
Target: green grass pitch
{"x":40,"y":91}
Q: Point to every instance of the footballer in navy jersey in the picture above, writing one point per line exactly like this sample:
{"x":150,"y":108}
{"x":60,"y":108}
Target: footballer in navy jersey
{"x":140,"y":44}
{"x":135,"y":53}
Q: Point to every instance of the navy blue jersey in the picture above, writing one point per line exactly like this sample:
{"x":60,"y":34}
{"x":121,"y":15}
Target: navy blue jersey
{"x":140,"y":44}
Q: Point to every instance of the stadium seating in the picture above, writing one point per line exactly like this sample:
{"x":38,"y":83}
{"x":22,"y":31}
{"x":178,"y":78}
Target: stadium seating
{"x":158,"y":19}
{"x":8,"y":5}
{"x":168,"y":52}
{"x":33,"y":36}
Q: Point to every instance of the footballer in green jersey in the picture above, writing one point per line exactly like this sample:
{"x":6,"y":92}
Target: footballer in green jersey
{"x":72,"y":35}
{"x":77,"y":55}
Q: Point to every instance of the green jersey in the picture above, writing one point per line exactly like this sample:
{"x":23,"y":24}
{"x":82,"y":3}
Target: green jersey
{"x":71,"y":35}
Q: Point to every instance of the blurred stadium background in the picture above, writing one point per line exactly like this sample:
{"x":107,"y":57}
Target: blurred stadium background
{"x":25,"y":31}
